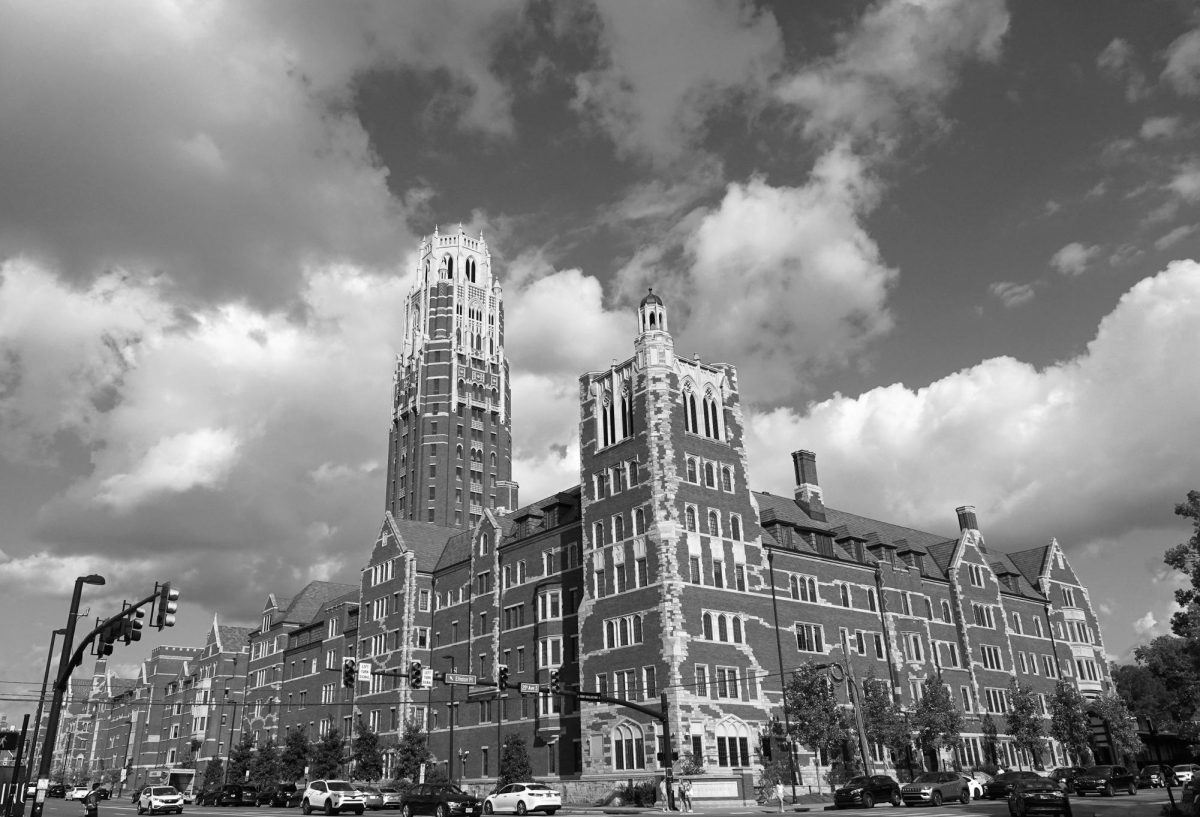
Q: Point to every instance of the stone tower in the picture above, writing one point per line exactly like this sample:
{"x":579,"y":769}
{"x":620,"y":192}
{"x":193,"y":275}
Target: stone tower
{"x":671,"y":546}
{"x":450,"y":442}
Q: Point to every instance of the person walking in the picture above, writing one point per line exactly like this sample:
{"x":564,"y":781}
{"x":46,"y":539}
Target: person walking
{"x":685,"y":796}
{"x":663,"y":802}
{"x":91,"y":801}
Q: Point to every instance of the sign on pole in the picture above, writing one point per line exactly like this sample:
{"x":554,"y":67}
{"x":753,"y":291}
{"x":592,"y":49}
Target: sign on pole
{"x":530,"y":689}
{"x":587,"y":696}
{"x":364,"y":670}
{"x":427,"y":677}
{"x":461,"y":678}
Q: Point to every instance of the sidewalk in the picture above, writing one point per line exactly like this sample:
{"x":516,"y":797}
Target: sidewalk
{"x":700,"y":807}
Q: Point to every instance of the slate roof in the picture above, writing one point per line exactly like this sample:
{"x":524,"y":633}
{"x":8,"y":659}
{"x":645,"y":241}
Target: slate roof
{"x":426,"y":540}
{"x":942,"y":553}
{"x":308,"y":601}
{"x":1030,"y":562}
{"x":457,"y":549}
{"x":233,"y":639}
{"x":786,"y":509}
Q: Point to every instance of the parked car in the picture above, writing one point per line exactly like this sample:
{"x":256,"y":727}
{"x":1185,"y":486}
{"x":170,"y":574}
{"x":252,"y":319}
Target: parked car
{"x":208,"y":797}
{"x":331,"y":796}
{"x":1001,"y":785}
{"x":372,"y":798}
{"x":522,"y":798}
{"x":76,"y":793}
{"x":231,"y":794}
{"x":973,"y":786}
{"x":391,"y":797}
{"x":1106,"y":780}
{"x":935,"y":788}
{"x":863,"y":791}
{"x":1065,"y":777}
{"x":57,"y":790}
{"x":160,"y":800}
{"x":276,"y":796}
{"x":441,"y":799}
{"x":1185,"y":772}
{"x":1040,"y":795}
{"x":1154,"y":776}
{"x":134,"y":795}
{"x":105,"y":794}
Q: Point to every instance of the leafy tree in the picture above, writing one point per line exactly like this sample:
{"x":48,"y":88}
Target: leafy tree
{"x":991,"y":754}
{"x":882,"y":718}
{"x":188,"y":761}
{"x":1025,"y":720}
{"x":368,"y":757}
{"x":1185,"y":558}
{"x":1173,"y":665}
{"x":1069,"y":721}
{"x":326,"y":756}
{"x":816,"y":719}
{"x":514,"y":761}
{"x":1121,"y":726}
{"x":412,"y":751}
{"x":692,"y":763}
{"x":267,"y":766}
{"x":240,"y":759}
{"x":212,"y":774}
{"x":936,"y":720}
{"x":296,"y":751}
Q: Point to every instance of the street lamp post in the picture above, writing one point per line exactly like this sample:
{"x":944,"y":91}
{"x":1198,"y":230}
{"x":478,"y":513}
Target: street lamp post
{"x":451,"y":705}
{"x":37,"y":719}
{"x":60,"y":687}
{"x":220,"y":726}
{"x":787,"y":722}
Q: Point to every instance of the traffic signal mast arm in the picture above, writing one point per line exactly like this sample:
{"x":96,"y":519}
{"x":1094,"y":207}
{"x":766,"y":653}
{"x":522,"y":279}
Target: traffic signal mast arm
{"x":115,"y":624}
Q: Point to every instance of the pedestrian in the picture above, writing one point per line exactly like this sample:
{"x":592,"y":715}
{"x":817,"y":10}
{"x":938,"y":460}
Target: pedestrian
{"x":662,"y":794}
{"x":91,"y":801}
{"x":685,"y":795}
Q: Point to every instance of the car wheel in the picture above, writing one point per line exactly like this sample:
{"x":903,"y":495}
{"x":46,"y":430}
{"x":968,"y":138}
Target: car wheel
{"x":442,"y":811}
{"x":305,"y":808}
{"x":520,"y":808}
{"x":965,"y":795}
{"x":487,"y":807}
{"x":868,"y":801}
{"x":551,"y":811}
{"x":406,"y":810}
{"x":1133,"y":788}
{"x":358,"y":811}
{"x":937,"y":798}
{"x":1108,"y":790}
{"x":895,"y":801}
{"x":140,"y":810}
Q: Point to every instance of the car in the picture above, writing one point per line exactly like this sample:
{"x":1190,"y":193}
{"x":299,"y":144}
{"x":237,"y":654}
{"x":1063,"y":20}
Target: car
{"x":104,"y":793}
{"x":1001,"y":785}
{"x":332,"y":796}
{"x":233,"y":794}
{"x":973,"y":786}
{"x":935,"y":788}
{"x":372,"y":798}
{"x":134,"y":795}
{"x":866,"y":791}
{"x":1185,"y":771}
{"x":277,"y":796}
{"x":522,"y":798}
{"x":76,"y":793}
{"x":160,"y":800}
{"x":1041,"y":795}
{"x":391,"y":797}
{"x":440,"y":799}
{"x":57,"y":790}
{"x":1107,"y":780}
{"x":208,"y":797}
{"x":1065,"y":777}
{"x":1155,"y":776}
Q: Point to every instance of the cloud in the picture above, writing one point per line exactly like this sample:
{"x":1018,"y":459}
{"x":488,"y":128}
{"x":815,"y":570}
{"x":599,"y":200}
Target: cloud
{"x":667,"y":65}
{"x":1012,"y":294}
{"x":1118,"y":62}
{"x":1174,"y":236}
{"x":896,"y":65}
{"x":1160,"y":127}
{"x":1028,"y":447}
{"x":195,"y":459}
{"x":1183,"y":63}
{"x":1146,"y":625}
{"x":1073,"y":259}
{"x":1186,"y":183}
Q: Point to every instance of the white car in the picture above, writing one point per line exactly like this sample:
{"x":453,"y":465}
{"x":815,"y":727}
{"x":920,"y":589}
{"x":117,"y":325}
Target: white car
{"x":975,"y":787}
{"x":76,"y":793}
{"x":332,"y":796}
{"x":160,"y":800}
{"x":522,"y":798}
{"x":1185,"y":772}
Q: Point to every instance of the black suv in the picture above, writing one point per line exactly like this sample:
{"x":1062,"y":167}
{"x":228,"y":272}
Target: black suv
{"x":1065,"y":777}
{"x":283,"y":795}
{"x":231,"y":794}
{"x":866,"y":791}
{"x":1002,"y":784}
{"x":1107,"y":780}
{"x":441,"y":799}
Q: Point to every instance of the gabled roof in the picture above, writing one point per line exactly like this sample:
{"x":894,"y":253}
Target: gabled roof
{"x":1031,"y":562}
{"x":942,"y":553}
{"x":231,"y":638}
{"x":457,"y":549}
{"x":425,"y":539}
{"x":308,"y":601}
{"x":788,"y":510}
{"x":918,"y":540}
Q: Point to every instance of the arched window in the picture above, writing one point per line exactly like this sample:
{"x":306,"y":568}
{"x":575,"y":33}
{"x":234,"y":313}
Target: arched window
{"x":449,"y":265}
{"x":735,"y":528}
{"x":794,"y":585}
{"x":610,"y":633}
{"x":845,"y":594}
{"x":618,"y":527}
{"x":639,"y":521}
{"x":462,"y":387}
{"x":871,"y":601}
{"x":737,"y":630}
{"x":727,"y":479}
{"x":459,"y":451}
{"x":689,"y":518}
{"x":708,"y":626}
{"x":637,"y":629}
{"x":692,"y":476}
{"x":710,"y":475}
{"x":598,"y":534}
{"x":607,"y":430}
{"x":633,"y":473}
{"x":626,"y":412}
{"x":689,"y":410}
{"x":946,"y":611}
{"x":714,"y":524}
{"x":623,"y":625}
{"x":628,"y":747}
{"x":722,"y":629}
{"x":493,"y":459}
{"x":712,"y":425}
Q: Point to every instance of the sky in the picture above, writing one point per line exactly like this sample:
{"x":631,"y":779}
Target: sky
{"x":950,"y":246}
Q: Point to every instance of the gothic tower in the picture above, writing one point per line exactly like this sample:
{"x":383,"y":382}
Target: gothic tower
{"x":450,"y":442}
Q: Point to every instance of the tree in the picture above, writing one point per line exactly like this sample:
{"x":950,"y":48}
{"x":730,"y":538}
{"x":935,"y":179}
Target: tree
{"x":1025,"y":720}
{"x":326,"y":756}
{"x":514,"y":761}
{"x":817,"y":721}
{"x":296,"y":750}
{"x":188,"y":761}
{"x":936,"y":720}
{"x":266,"y":768}
{"x":882,"y":718}
{"x":991,"y":754}
{"x":212,"y":774}
{"x":239,"y":760}
{"x":1069,"y":721}
{"x":1122,"y":727}
{"x":1185,"y":558}
{"x":368,"y":757}
{"x":1173,"y":682}
{"x":412,"y":751}
{"x":691,"y":763}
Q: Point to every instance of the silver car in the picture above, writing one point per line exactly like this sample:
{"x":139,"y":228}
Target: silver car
{"x":936,"y":788}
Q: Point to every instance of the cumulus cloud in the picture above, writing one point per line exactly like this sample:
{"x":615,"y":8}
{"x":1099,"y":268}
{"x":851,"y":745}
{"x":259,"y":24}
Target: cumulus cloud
{"x":194,"y":459}
{"x":1160,"y":127}
{"x":1183,"y":63}
{"x":1011,"y":293}
{"x":1119,"y":62}
{"x":1074,"y":258}
{"x":1030,"y":448}
{"x":1145,"y":626}
{"x":1186,"y":183}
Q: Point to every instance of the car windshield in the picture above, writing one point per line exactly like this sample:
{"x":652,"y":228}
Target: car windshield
{"x":163,"y":791}
{"x":1007,"y":776}
{"x":929,"y":777}
{"x":447,"y":790}
{"x":857,"y":781}
{"x":537,"y":787}
{"x":1097,"y":770}
{"x":368,"y":790}
{"x":1186,"y":767}
{"x":338,"y":785}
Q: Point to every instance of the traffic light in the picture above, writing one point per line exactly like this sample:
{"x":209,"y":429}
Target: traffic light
{"x":415,"y":671}
{"x":108,"y":634}
{"x":503,"y":677}
{"x":555,"y":681}
{"x":349,"y":672}
{"x":133,"y":626}
{"x":168,"y":605}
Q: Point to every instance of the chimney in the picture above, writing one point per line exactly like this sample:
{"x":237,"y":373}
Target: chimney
{"x":506,"y":496}
{"x":808,"y":491}
{"x":966,"y":518}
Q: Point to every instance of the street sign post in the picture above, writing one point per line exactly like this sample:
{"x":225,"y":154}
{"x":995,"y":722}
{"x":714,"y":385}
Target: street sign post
{"x":461,"y":678}
{"x":427,"y":677}
{"x":364,"y":671}
{"x":530,"y":689}
{"x":587,"y":696}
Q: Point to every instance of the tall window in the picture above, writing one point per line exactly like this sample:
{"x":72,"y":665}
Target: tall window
{"x":712,"y":423}
{"x":726,"y":478}
{"x":628,"y":747}
{"x":735,"y":527}
{"x":689,"y":518}
{"x":714,"y":524}
{"x":639,"y":521}
{"x":689,"y":410}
